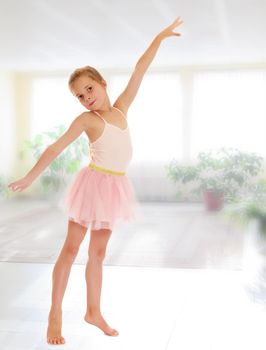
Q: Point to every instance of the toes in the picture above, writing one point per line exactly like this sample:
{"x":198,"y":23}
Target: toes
{"x":56,"y":341}
{"x":115,"y":333}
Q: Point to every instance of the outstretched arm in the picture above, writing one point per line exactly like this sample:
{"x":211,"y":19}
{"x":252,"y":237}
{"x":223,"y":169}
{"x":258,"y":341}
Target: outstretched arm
{"x":50,"y":153}
{"x":126,"y":98}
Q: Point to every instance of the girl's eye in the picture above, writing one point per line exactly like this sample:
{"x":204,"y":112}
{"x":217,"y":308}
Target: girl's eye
{"x":89,"y":88}
{"x":79,"y":97}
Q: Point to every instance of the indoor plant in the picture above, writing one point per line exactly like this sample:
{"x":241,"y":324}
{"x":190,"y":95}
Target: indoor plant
{"x":4,"y":181}
{"x":54,"y":178}
{"x":217,"y":176}
{"x":251,"y":206}
{"x":250,"y":212}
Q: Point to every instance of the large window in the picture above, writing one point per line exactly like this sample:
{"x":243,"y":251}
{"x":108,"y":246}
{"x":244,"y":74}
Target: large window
{"x":229,"y":110}
{"x":155,"y":117}
{"x":175,"y":115}
{"x":155,"y":120}
{"x":52,"y":104}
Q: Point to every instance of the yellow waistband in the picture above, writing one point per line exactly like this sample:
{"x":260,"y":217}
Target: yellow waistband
{"x":107,"y":171}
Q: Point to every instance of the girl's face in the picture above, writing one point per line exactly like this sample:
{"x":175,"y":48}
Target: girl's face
{"x":89,"y":92}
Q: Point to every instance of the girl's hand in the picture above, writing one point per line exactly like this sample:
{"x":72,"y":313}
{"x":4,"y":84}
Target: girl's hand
{"x":20,"y":185}
{"x":169,"y":31}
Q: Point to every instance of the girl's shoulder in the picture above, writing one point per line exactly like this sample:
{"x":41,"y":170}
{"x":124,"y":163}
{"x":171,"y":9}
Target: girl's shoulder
{"x":121,"y":109}
{"x":89,"y":120}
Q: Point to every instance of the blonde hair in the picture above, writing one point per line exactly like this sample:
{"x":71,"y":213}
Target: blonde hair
{"x":88,"y":71}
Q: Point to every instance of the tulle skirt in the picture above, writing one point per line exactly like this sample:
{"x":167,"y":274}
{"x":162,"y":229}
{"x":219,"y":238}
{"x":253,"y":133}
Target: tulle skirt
{"x":99,"y":200}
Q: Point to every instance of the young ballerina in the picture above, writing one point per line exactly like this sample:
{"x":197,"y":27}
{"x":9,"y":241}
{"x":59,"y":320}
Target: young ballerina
{"x":101,"y":193}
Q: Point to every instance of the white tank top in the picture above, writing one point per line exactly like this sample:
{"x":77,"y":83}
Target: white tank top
{"x":113,"y":149}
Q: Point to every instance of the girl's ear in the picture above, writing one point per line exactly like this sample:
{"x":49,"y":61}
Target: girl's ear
{"x":104,"y":83}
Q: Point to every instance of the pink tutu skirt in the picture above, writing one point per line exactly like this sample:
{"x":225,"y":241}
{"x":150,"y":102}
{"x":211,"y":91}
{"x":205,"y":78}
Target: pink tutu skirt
{"x":99,"y":200}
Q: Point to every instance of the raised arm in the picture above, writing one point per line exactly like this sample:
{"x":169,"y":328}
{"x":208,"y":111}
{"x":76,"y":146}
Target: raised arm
{"x":51,"y":152}
{"x":126,"y":98}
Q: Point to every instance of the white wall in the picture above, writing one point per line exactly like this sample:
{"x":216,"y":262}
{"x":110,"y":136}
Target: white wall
{"x":7,"y":121}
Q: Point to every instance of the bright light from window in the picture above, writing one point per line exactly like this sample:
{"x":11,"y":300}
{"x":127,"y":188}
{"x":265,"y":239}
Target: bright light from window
{"x":229,"y":110}
{"x":154,"y":117}
{"x":52,"y":104}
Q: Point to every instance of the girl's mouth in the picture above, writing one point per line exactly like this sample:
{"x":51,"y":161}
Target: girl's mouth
{"x":91,"y":103}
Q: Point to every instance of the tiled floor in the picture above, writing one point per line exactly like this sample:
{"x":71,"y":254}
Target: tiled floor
{"x":151,"y":293}
{"x":165,"y":235}
{"x":160,"y":309}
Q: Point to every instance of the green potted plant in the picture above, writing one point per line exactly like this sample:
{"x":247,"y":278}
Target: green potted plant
{"x":4,"y":181}
{"x":251,"y":206}
{"x":217,"y":176}
{"x":54,"y":178}
{"x":250,"y":212}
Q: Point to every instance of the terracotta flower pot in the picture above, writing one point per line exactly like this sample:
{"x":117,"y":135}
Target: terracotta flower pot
{"x":213,"y":200}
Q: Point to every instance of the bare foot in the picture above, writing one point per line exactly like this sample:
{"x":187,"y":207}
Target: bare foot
{"x":98,"y":321}
{"x":54,"y":336}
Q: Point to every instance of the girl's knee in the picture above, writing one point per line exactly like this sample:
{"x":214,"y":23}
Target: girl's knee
{"x":98,"y":244}
{"x":71,"y":250}
{"x":97,"y":254}
{"x":75,"y":236}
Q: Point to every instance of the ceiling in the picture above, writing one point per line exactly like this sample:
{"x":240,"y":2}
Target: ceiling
{"x":61,"y":34}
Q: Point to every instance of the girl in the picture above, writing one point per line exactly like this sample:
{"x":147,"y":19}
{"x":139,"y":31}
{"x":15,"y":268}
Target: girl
{"x":101,"y":193}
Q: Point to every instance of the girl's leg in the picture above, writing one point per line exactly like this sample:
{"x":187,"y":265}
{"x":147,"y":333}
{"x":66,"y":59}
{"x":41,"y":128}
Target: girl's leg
{"x":97,"y":249}
{"x":75,"y":236}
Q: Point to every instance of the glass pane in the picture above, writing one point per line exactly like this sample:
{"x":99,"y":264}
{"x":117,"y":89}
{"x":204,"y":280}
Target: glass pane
{"x":229,"y":110}
{"x":52,"y":104}
{"x":154,"y":116}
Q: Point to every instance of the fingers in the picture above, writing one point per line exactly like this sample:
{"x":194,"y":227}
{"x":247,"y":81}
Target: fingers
{"x":15,"y":187}
{"x":12,"y":186}
{"x":19,"y":186}
{"x":177,"y":22}
{"x":169,"y":31}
